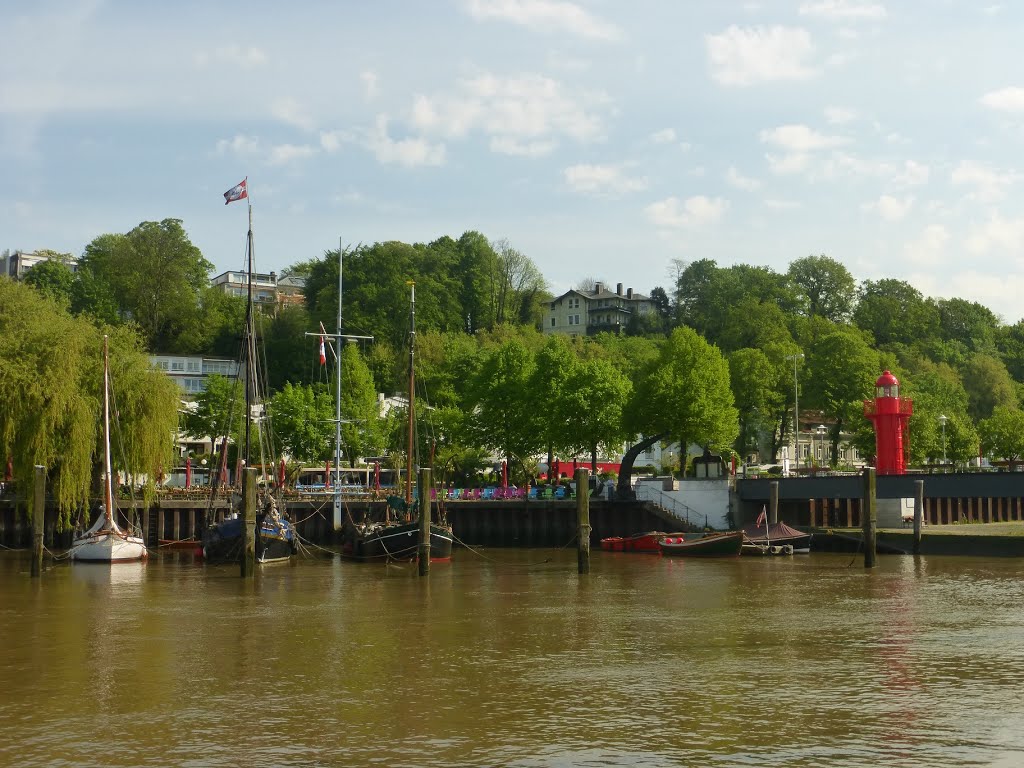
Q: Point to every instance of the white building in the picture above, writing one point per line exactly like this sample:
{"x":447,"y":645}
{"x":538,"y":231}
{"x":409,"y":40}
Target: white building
{"x":191,"y":371}
{"x":15,"y":265}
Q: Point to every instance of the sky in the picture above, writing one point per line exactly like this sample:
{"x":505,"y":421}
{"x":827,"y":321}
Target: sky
{"x":605,"y":140}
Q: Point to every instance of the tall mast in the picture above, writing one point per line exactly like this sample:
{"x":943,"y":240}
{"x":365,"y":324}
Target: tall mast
{"x":337,"y":400}
{"x":412,"y":395}
{"x":248,"y":344}
{"x":108,"y":494}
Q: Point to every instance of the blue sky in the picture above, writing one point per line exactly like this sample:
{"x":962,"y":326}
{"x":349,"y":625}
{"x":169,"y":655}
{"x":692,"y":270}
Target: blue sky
{"x":602,"y":139}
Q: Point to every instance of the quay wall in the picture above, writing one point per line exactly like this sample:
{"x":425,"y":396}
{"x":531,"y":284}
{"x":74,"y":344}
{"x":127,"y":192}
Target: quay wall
{"x":514,"y":523}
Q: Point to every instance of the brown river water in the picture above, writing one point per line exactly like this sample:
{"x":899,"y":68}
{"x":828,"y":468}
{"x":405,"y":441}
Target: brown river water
{"x":510,"y":658}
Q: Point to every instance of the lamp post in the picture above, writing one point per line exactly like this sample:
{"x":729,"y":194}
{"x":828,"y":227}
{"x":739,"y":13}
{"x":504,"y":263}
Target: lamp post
{"x":942,"y":420}
{"x":821,"y":429}
{"x":796,"y":409}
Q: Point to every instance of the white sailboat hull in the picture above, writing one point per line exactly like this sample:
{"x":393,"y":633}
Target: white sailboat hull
{"x":108,"y":547}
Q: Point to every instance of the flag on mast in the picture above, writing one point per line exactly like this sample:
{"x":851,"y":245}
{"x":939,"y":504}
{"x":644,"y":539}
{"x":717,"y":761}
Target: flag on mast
{"x":762,"y":519}
{"x":237,"y":192}
{"x":323,"y":352}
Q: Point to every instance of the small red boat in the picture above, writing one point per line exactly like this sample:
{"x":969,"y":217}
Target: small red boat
{"x":639,"y":542}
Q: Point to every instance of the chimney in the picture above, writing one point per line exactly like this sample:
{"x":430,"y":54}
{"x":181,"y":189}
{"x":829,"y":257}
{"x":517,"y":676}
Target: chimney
{"x":597,"y":288}
{"x":618,"y":289}
{"x":629,"y":293}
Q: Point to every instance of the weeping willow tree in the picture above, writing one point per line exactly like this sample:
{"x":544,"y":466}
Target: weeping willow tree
{"x":51,"y":384}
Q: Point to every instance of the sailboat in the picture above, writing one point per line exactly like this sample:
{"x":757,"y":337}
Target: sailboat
{"x":275,"y":536}
{"x":398,"y":539}
{"x":106,"y":541}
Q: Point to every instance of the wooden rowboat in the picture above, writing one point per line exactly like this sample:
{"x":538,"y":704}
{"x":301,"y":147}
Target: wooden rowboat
{"x":710,"y":545}
{"x":640,"y":542}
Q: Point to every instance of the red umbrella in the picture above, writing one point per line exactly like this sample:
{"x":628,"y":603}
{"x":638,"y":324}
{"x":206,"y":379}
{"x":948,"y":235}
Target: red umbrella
{"x":188,"y":472}
{"x":504,"y":474}
{"x":554,"y":474}
{"x":280,"y":474}
{"x":9,"y":472}
{"x":224,"y":462}
{"x":327,"y":475}
{"x":376,"y":475}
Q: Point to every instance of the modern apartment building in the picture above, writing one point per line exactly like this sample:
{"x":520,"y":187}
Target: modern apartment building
{"x":191,"y":371}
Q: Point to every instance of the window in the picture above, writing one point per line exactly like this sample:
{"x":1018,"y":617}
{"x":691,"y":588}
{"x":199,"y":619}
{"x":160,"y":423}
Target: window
{"x":177,"y":365}
{"x":552,"y":322}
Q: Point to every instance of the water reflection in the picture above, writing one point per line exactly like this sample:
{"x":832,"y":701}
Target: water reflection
{"x":512,"y":658}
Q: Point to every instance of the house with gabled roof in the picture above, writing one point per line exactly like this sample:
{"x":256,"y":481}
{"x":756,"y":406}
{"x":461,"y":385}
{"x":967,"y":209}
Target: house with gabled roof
{"x":584,"y":313}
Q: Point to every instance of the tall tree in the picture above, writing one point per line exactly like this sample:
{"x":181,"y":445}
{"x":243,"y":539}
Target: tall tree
{"x":753,"y":378}
{"x":302,"y":417}
{"x":596,"y":393}
{"x":825,"y":288}
{"x":1002,"y":434}
{"x":683,"y":395}
{"x":53,"y":279}
{"x":156,"y":275}
{"x":988,"y":385}
{"x":50,"y":403}
{"x":895,"y":311}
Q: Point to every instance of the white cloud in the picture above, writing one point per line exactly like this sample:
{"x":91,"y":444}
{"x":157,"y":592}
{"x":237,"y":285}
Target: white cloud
{"x":928,"y":248}
{"x":782,"y":205}
{"x":602,"y":180}
{"x":289,"y":111}
{"x":285,"y":153}
{"x":890,"y":208}
{"x":529,"y":110}
{"x":988,"y":183}
{"x":997,"y":235}
{"x":914,"y":174}
{"x":244,"y":57}
{"x":738,"y":180}
{"x":744,"y":56}
{"x":785,"y":165}
{"x":410,"y":152}
{"x":800,"y":138}
{"x":506,"y":145}
{"x":369,"y":80}
{"x":664,"y":136}
{"x":843,"y":10}
{"x":547,"y":15}
{"x":684,"y":214}
{"x":839,"y":115}
{"x":1005,"y":100}
{"x":238,"y":145}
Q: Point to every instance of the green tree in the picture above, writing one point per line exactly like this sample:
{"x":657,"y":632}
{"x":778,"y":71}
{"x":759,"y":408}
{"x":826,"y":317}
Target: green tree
{"x":219,"y":409}
{"x":51,"y":402}
{"x":53,"y":279}
{"x":841,"y":372}
{"x":684,"y":395}
{"x":554,"y":369}
{"x":156,"y":275}
{"x":302,"y":417}
{"x":504,"y":414}
{"x":1002,"y":434}
{"x":988,"y":385}
{"x":754,"y":380}
{"x":362,"y":432}
{"x":895,"y":311}
{"x":825,"y":288}
{"x":595,"y":394}
{"x":968,"y":322}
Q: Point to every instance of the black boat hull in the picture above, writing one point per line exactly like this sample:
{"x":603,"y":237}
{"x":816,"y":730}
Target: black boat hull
{"x":223,"y":544}
{"x":398,"y":542}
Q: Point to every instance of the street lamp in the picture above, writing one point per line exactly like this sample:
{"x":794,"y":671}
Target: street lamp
{"x":942,"y":420}
{"x":821,"y":429}
{"x":796,"y":410}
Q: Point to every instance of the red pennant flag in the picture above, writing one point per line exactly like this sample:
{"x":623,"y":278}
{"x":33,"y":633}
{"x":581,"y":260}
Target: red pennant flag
{"x":762,"y":519}
{"x":237,"y":192}
{"x":323,"y":352}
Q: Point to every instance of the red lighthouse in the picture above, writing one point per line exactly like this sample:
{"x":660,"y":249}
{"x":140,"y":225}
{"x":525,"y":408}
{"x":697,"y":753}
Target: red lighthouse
{"x":890,"y":414}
